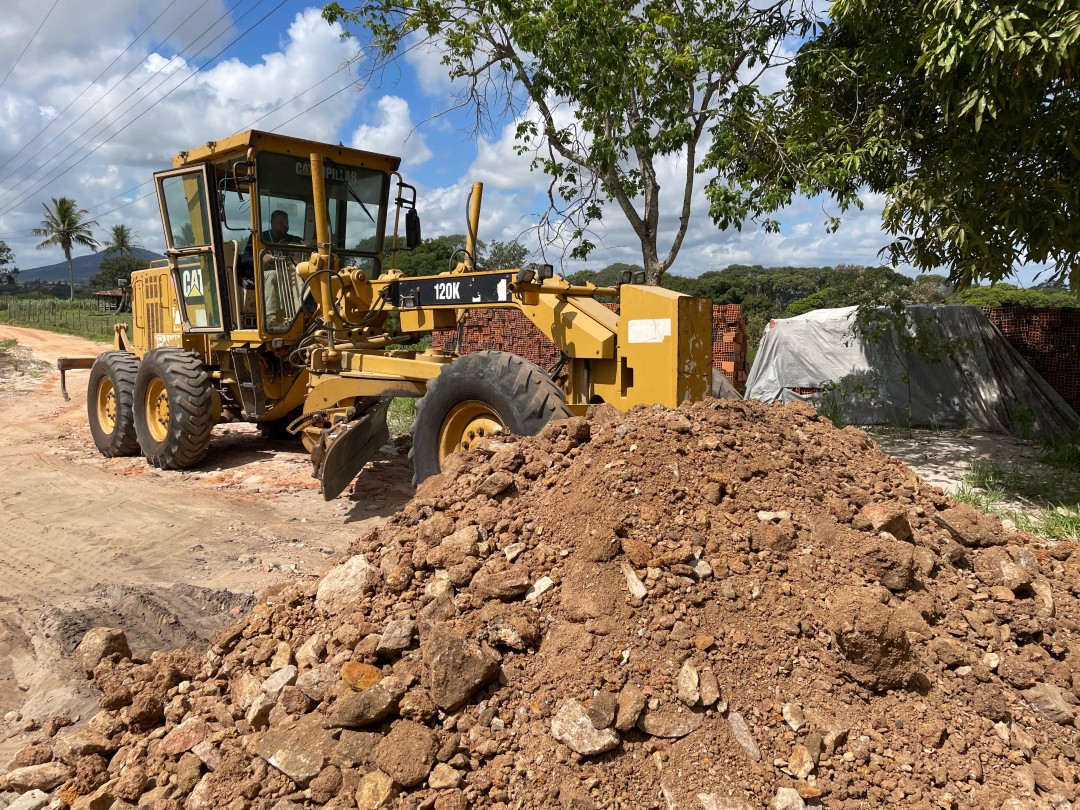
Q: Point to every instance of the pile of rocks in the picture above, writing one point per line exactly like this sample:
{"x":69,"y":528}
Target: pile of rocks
{"x":721,"y":607}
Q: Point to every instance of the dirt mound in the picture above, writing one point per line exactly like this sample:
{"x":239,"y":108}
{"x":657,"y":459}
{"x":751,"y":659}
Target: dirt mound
{"x":729,"y":605}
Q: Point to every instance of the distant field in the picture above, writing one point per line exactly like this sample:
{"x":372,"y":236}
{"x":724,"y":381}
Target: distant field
{"x":79,"y":317}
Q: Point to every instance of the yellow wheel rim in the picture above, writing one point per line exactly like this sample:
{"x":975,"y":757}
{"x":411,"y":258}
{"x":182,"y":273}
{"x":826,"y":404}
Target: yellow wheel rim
{"x":106,"y":405}
{"x":466,"y":424}
{"x":157,"y":409}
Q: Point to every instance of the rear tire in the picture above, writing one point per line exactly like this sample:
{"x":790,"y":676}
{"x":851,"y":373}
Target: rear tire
{"x":475,"y":395}
{"x":109,"y":398}
{"x":174,"y":409}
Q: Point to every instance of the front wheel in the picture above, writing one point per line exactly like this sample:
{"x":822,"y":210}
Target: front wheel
{"x":477,"y":396}
{"x":109,"y":397}
{"x":174,"y":409}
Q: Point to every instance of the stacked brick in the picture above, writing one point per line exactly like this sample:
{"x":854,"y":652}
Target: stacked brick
{"x":508,"y":330}
{"x":1049,"y":339}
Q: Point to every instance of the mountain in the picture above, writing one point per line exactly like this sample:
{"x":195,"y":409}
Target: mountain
{"x":85,"y":266}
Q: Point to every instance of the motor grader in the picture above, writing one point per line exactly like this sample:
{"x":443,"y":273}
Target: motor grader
{"x":313,"y":331}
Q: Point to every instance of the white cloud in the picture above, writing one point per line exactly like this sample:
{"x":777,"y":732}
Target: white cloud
{"x":393,"y":133}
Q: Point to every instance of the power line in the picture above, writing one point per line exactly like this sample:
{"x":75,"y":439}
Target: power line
{"x":26,"y":47}
{"x":190,"y":76}
{"x":115,"y":106}
{"x":94,"y":81}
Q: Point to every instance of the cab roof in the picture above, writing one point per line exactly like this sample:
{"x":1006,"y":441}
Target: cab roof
{"x":235,"y":147}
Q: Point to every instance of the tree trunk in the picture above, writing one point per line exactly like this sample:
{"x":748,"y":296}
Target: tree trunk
{"x":71,"y":278}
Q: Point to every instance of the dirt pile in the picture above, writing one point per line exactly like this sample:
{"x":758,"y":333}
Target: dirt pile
{"x":722,"y":607}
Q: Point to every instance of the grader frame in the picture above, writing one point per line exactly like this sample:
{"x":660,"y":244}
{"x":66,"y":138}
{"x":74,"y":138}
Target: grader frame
{"x":293,"y":331}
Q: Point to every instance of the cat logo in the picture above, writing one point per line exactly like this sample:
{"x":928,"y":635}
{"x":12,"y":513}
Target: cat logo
{"x":191,"y":282}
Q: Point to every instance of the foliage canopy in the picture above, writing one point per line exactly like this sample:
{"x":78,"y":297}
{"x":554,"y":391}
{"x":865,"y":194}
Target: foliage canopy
{"x":64,"y":226}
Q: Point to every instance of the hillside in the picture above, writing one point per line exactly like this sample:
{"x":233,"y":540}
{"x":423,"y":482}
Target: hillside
{"x":85,"y":266}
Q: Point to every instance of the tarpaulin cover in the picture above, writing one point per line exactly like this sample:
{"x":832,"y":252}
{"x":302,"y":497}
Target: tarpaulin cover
{"x":967,"y":376}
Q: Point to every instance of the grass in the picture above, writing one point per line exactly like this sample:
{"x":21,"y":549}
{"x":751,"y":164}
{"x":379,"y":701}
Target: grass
{"x":1048,"y":494}
{"x":80,"y":317}
{"x":400,"y":415}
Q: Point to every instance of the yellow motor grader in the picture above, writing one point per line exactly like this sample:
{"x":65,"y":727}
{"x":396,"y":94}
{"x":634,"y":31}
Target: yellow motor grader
{"x":274,"y":303}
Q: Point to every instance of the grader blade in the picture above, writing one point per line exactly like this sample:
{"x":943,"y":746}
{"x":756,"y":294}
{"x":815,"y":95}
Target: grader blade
{"x":347,"y":448}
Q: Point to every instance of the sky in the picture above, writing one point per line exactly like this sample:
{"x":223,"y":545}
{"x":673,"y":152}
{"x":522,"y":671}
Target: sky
{"x":96,"y":97}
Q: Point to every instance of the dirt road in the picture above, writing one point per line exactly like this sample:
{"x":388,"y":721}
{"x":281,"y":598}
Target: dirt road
{"x":169,"y":556}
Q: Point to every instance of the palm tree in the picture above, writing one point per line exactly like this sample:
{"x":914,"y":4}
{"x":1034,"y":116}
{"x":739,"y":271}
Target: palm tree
{"x":65,"y":227}
{"x":121,"y":240}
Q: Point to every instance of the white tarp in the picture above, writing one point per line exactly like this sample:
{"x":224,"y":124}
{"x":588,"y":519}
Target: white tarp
{"x":966,"y":376}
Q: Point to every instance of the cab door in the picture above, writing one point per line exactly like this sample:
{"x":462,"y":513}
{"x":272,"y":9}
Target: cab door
{"x":193,"y":245}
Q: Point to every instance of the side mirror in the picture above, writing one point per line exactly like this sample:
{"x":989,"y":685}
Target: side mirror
{"x":412,"y":229}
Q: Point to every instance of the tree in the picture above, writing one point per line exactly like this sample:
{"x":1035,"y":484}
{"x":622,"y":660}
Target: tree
{"x":603,"y":92}
{"x":432,"y":256}
{"x":65,"y":227}
{"x":121,"y":240}
{"x":112,"y":271}
{"x":8,"y":274}
{"x":503,"y":255}
{"x":965,"y":116}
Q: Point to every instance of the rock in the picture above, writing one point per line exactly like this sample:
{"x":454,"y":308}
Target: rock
{"x":539,"y":588}
{"x":81,"y":741}
{"x":631,"y":703}
{"x":208,"y":753}
{"x":311,"y":652}
{"x":948,"y":651}
{"x":185,"y":736}
{"x":283,"y":656}
{"x":687,"y":684}
{"x":100,"y":643}
{"x":800,"y":764}
{"x":272,"y":686}
{"x":572,"y":727}
{"x":876,"y":648}
{"x":376,"y":790}
{"x":297,"y":749}
{"x":708,"y":687}
{"x":1047,"y":700}
{"x":787,"y":799}
{"x":326,"y":785}
{"x":773,"y":517}
{"x":995,"y":567}
{"x":636,"y":586}
{"x":258,"y":715}
{"x":885,"y":517}
{"x":359,"y":676}
{"x":495,"y":484}
{"x":602,"y":709}
{"x":454,"y":667}
{"x":455,"y":549}
{"x":344,"y":584}
{"x":36,"y":777}
{"x":793,"y":716}
{"x":396,"y":637}
{"x":368,"y":707}
{"x":892,"y":561}
{"x":671,"y":722}
{"x":743,"y":736}
{"x":971,"y":528}
{"x":443,"y":777}
{"x":503,"y":585}
{"x":714,"y":801}
{"x":317,"y":682}
{"x":407,"y":753}
{"x":33,"y":800}
{"x":100,"y":799}
{"x":244,"y":687}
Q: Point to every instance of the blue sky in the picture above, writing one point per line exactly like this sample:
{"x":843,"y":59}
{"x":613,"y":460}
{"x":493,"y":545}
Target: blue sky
{"x":76,"y":120}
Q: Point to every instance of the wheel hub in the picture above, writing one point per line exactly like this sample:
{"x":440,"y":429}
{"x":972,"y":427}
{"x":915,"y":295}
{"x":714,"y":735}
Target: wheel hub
{"x":106,"y":405}
{"x":157,"y":410}
{"x":465,"y":425}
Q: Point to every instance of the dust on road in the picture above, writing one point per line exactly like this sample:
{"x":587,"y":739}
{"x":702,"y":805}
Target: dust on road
{"x":169,"y":556}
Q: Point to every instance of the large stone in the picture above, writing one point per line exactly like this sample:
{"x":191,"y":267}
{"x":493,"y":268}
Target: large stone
{"x":376,"y":790}
{"x":407,"y":753}
{"x":504,"y":585}
{"x":454,"y":667}
{"x":74,"y":743}
{"x":971,"y":528}
{"x":185,"y":736}
{"x":317,"y":682}
{"x":453,"y":550}
{"x":360,"y":676}
{"x":443,"y":777}
{"x":878,"y":652}
{"x":396,"y":637}
{"x":345,"y":583}
{"x":631,"y":704}
{"x":100,"y":643}
{"x":36,"y":777}
{"x":368,"y":707}
{"x":297,"y":749}
{"x":100,"y":799}
{"x":885,"y":517}
{"x":892,"y":561}
{"x":743,"y":736}
{"x":669,"y":721}
{"x":34,"y":800}
{"x":787,"y":799}
{"x":572,"y":727}
{"x":272,"y":686}
{"x":1046,"y":699}
{"x":311,"y":652}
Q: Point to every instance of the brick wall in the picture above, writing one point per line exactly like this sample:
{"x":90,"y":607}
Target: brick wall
{"x":507,"y":330}
{"x":1049,"y":339}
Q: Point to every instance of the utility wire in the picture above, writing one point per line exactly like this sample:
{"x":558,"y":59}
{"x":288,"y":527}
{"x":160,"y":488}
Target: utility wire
{"x":58,"y":116}
{"x":28,"y":44}
{"x":108,"y":112}
{"x":61,"y":172}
